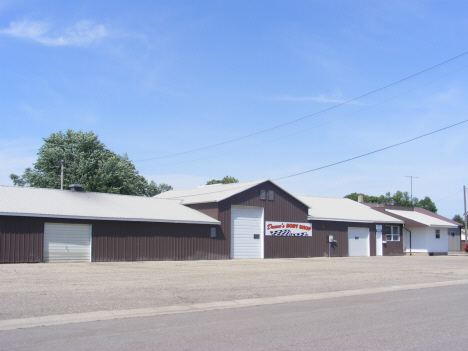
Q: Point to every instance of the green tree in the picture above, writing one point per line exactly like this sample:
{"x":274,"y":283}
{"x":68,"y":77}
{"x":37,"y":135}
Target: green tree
{"x":459,"y":219}
{"x":399,"y":198}
{"x":86,"y":161}
{"x":154,"y":189}
{"x":225,"y":180}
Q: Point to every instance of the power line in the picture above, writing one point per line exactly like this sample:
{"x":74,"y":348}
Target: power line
{"x":316,"y":126}
{"x":336,"y":163}
{"x":373,"y":152}
{"x":446,"y":197}
{"x":313,"y":114}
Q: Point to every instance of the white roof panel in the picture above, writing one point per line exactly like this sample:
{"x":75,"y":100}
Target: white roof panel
{"x":345,"y":210}
{"x":423,"y":219}
{"x":41,"y":202}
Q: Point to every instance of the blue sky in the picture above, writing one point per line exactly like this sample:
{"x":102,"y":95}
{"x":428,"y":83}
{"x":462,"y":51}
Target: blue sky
{"x":157,"y":78}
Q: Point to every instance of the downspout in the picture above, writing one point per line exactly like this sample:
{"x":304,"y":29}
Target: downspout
{"x":409,"y":239}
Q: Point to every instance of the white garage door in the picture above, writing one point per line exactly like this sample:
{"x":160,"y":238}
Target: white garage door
{"x":246,"y":232}
{"x":67,"y":242}
{"x":358,"y":242}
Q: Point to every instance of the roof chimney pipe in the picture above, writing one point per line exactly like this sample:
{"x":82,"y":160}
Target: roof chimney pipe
{"x":360,"y":199}
{"x":76,"y":187}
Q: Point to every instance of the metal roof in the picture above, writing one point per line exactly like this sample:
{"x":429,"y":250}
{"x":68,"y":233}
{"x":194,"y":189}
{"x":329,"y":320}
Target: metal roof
{"x":343,"y":210}
{"x":422,"y":218}
{"x":215,"y":192}
{"x":39,"y":202}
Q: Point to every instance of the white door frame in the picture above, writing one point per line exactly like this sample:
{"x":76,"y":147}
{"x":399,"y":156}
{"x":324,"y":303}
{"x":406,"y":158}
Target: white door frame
{"x":378,"y":244}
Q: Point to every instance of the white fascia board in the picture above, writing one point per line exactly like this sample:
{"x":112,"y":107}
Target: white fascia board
{"x":396,"y":221}
{"x":337,"y":220}
{"x":443,"y":226}
{"x":215,"y":222}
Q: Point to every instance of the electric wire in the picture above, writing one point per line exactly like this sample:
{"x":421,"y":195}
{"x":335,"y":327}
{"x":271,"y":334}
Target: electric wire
{"x":373,"y":152}
{"x":313,"y":114}
{"x":332,"y":164}
{"x":313,"y":127}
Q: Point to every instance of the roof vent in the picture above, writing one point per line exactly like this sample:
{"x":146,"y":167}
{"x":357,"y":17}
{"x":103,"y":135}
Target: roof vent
{"x":76,"y":187}
{"x":360,"y":199}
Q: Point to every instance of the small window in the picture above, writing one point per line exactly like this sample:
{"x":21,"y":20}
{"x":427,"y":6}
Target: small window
{"x":452,"y":234}
{"x":392,"y":233}
{"x":213,"y":232}
{"x":437,"y":233}
{"x":271,"y":195}
{"x":262,"y":194}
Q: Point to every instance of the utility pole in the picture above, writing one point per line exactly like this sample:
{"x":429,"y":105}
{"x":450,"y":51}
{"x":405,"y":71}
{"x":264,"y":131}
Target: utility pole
{"x":464,"y":203}
{"x":411,"y":186}
{"x":61,"y":174}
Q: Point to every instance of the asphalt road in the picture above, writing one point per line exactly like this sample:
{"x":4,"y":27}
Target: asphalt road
{"x":419,"y":319}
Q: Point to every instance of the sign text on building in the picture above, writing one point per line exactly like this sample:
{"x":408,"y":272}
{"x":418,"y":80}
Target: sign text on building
{"x":288,"y":229}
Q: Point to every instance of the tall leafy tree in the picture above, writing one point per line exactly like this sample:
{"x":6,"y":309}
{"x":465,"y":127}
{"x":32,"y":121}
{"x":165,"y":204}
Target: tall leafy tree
{"x":86,"y":161}
{"x":399,"y":198}
{"x":459,"y":219}
{"x":225,"y":180}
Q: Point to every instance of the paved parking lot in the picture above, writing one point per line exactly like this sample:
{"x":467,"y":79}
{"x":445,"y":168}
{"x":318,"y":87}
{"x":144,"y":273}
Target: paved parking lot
{"x":30,"y":290}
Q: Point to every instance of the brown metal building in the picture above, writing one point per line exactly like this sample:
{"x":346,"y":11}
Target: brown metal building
{"x":256,"y":219}
{"x":48,"y":225}
{"x":257,"y":202}
{"x":344,"y":219}
{"x":343,"y":227}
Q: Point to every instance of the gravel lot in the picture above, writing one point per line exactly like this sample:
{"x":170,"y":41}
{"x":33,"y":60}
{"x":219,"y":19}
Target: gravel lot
{"x":31,"y":290}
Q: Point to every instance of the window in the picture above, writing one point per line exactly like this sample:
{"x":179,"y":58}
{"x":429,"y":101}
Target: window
{"x":213,"y":232}
{"x":271,"y":195}
{"x":437,"y":233}
{"x":452,"y":234}
{"x":392,"y":233}
{"x":262,"y":194}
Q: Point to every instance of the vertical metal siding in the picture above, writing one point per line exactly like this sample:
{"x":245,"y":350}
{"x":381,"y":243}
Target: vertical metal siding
{"x":210,"y":209}
{"x":137,"y":241}
{"x":322,"y":229}
{"x":284,"y":207}
{"x":21,"y":239}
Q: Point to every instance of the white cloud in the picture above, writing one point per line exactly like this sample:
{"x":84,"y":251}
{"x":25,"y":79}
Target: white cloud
{"x":82,"y":33}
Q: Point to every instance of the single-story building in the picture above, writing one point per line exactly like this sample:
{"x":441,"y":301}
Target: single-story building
{"x":258,"y":219}
{"x":356,"y":229}
{"x":255,"y":219}
{"x":49,"y":225}
{"x":428,"y":232}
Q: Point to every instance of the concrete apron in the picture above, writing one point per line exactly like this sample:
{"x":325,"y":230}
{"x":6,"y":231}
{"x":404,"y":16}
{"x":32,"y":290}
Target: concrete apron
{"x":52,"y":320}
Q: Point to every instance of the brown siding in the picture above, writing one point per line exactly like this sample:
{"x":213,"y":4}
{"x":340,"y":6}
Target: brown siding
{"x":135,"y":241}
{"x":322,"y":229}
{"x":21,"y":239}
{"x":210,"y":209}
{"x":394,"y":248}
{"x":283,"y":208}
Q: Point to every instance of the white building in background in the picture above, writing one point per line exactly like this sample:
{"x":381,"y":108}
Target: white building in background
{"x":424,"y":232}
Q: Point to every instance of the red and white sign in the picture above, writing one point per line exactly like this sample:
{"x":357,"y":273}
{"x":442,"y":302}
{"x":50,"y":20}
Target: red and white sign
{"x":288,"y":229}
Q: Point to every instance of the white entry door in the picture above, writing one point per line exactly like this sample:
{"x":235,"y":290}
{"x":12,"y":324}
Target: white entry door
{"x":378,"y":243}
{"x":246,"y":232}
{"x":358,"y":242}
{"x":67,"y":242}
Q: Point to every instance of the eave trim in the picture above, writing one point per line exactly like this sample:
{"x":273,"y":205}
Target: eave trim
{"x":108,"y":218}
